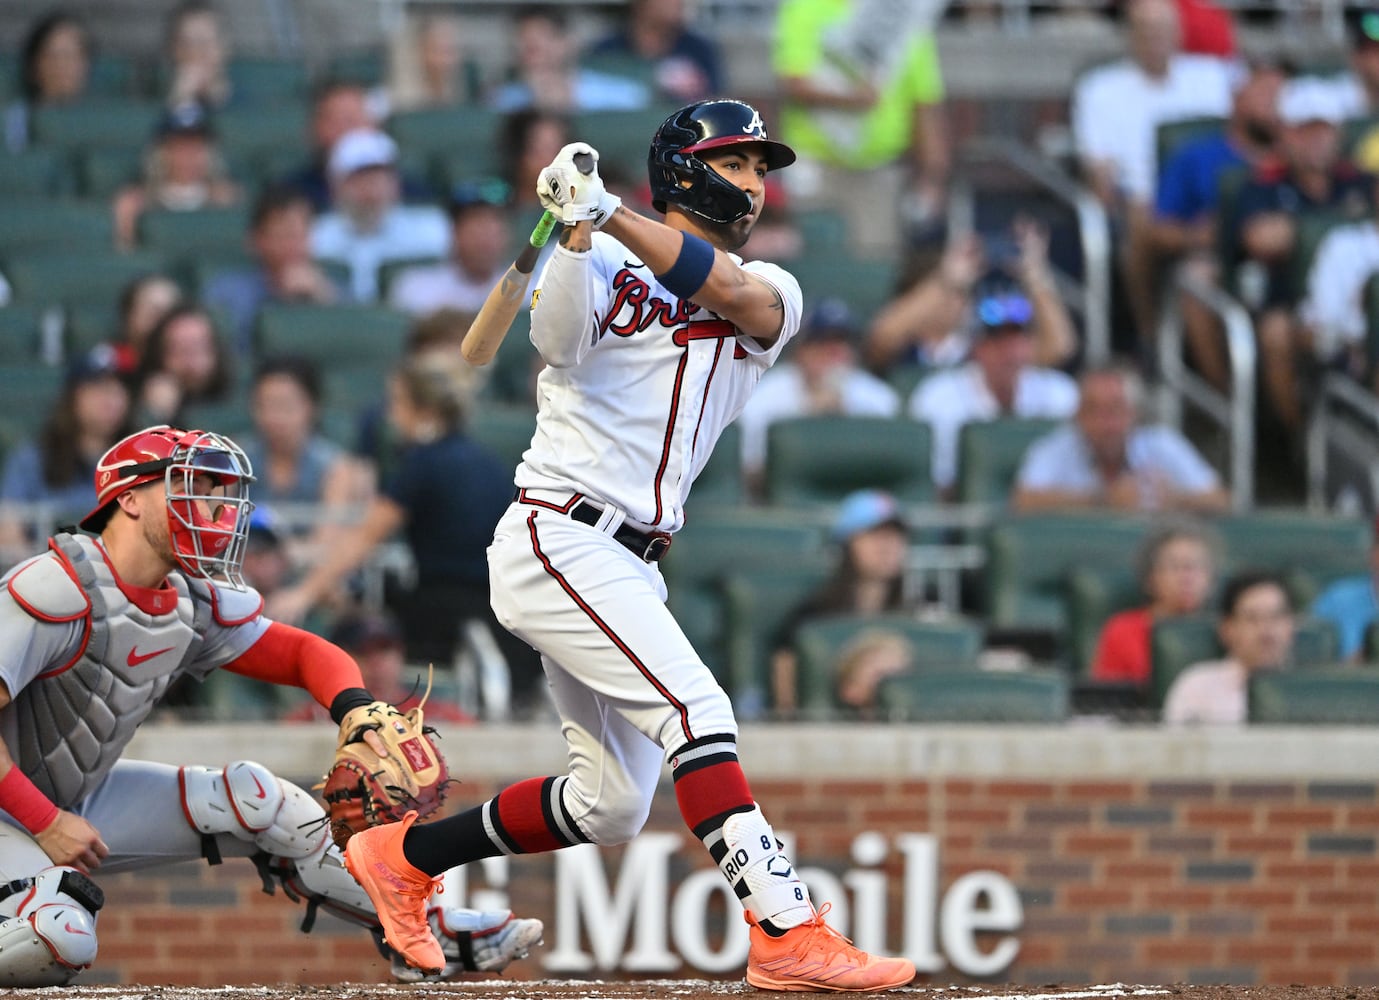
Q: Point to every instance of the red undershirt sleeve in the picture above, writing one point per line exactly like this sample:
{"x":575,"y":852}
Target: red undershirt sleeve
{"x":298,"y":658}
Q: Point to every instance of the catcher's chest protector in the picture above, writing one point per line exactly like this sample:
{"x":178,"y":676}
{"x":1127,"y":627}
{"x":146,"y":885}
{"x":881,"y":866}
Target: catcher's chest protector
{"x":70,"y":725}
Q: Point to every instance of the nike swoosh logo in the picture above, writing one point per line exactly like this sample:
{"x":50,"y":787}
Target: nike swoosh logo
{"x":262,"y":793}
{"x":135,"y":657}
{"x":74,"y":930}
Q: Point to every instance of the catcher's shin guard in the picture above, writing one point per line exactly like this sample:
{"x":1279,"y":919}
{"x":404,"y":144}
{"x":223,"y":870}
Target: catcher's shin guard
{"x":473,"y":941}
{"x":322,"y":881}
{"x":49,"y":934}
{"x":249,"y":802}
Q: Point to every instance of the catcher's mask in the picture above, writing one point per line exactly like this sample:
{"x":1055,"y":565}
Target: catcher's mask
{"x":680,"y":177}
{"x":206,"y":481}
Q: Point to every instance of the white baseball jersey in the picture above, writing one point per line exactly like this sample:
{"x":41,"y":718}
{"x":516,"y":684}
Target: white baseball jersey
{"x":639,"y":384}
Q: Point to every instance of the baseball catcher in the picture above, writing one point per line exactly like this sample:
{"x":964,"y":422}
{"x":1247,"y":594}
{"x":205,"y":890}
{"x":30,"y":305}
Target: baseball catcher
{"x":92,"y":632}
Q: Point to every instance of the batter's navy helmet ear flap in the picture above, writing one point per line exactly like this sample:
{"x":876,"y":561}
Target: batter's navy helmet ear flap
{"x":679,"y":177}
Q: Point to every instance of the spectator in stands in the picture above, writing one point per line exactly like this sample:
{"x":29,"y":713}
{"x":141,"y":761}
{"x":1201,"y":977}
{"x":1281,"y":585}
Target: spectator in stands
{"x":684,"y":65}
{"x":197,"y":49}
{"x":869,"y":658}
{"x":1352,"y":605}
{"x":183,"y":171}
{"x":868,"y":579}
{"x":1177,"y":570}
{"x":1000,"y":379}
{"x":1116,"y":110}
{"x":1256,"y":629}
{"x":54,"y":68}
{"x":426,"y":66}
{"x":929,"y":322}
{"x":143,"y":302}
{"x":529,"y":140}
{"x":480,"y":252}
{"x":369,"y":226}
{"x":337,"y":107}
{"x":375,"y":640}
{"x":1312,"y":179}
{"x":1357,"y":90}
{"x":1104,"y":459}
{"x":864,"y":110}
{"x":267,"y":566}
{"x":447,"y":494}
{"x":293,"y":462}
{"x":819,"y":377}
{"x":1187,"y":205}
{"x":546,"y":74}
{"x":58,"y":467}
{"x":283,"y":272}
{"x":1334,"y":314}
{"x":185,"y":362}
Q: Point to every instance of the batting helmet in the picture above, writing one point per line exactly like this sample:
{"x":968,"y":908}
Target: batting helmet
{"x":206,"y":479}
{"x":680,"y":177}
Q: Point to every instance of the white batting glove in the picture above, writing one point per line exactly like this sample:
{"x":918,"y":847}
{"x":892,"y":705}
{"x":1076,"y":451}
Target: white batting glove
{"x":572,"y":194}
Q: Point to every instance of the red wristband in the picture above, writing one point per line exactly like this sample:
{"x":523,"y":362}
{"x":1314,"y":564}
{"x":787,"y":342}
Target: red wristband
{"x":21,"y":798}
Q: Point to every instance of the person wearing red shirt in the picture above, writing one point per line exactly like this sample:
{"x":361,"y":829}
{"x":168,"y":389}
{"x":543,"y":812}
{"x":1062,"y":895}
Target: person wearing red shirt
{"x":1177,"y":566}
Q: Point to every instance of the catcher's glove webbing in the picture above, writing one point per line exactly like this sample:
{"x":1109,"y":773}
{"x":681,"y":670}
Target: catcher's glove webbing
{"x":362,"y":789}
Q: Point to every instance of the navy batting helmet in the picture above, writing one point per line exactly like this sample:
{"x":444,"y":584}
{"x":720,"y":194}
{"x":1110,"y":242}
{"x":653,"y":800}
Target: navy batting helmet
{"x":680,"y":177}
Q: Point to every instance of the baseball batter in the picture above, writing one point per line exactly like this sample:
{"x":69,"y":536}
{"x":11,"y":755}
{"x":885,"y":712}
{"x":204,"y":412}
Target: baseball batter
{"x":92,"y":632}
{"x":654,"y":336}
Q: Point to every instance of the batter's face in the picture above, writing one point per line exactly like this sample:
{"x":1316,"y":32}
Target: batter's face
{"x":744,"y":167}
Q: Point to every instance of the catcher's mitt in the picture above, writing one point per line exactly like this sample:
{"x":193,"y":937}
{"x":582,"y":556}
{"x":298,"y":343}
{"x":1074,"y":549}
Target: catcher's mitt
{"x":362,"y":789}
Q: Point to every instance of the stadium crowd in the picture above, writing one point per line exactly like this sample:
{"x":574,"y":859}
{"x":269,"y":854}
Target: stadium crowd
{"x":936,"y":481}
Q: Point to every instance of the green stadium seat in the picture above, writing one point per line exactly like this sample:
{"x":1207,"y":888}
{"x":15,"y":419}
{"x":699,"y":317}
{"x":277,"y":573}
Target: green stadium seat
{"x":1332,"y":696}
{"x":22,"y":333}
{"x":622,"y":139}
{"x":366,"y":66}
{"x":757,"y":603}
{"x":1095,"y":593}
{"x":29,"y":392}
{"x":719,"y":483}
{"x":819,"y":460}
{"x":1169,"y":136}
{"x":254,"y":131}
{"x":334,"y":335}
{"x":225,"y":696}
{"x":976,"y":696}
{"x":509,"y":374}
{"x":103,"y":172}
{"x":824,"y":229}
{"x":268,"y":81}
{"x":354,"y":386}
{"x":505,"y":430}
{"x":865,"y":285}
{"x":387,"y":273}
{"x":66,"y":277}
{"x":938,"y":645}
{"x":989,"y":456}
{"x":184,"y":236}
{"x":710,"y":546}
{"x":1311,"y":550}
{"x":88,"y":324}
{"x":35,"y":172}
{"x":461,"y":130}
{"x":1028,"y":558}
{"x":1177,"y":643}
{"x":40,"y":224}
{"x":1311,"y":228}
{"x":96,"y":124}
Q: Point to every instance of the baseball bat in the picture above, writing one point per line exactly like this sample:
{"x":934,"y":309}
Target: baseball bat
{"x":486,"y":333}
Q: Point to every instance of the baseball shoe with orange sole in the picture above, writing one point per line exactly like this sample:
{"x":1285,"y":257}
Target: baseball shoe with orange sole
{"x":813,"y":957}
{"x":400,"y":892}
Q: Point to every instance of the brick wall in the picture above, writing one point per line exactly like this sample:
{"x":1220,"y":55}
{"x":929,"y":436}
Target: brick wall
{"x":1121,"y":879}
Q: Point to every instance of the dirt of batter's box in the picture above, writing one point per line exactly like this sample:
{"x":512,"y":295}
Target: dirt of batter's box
{"x":679,"y":989}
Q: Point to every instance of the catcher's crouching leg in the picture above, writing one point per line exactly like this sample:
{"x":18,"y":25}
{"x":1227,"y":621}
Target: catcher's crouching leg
{"x":474,"y":941}
{"x":48,"y":927}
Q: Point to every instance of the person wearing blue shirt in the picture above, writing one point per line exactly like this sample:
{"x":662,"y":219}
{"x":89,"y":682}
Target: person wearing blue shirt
{"x":1187,"y":201}
{"x":1352,"y":605}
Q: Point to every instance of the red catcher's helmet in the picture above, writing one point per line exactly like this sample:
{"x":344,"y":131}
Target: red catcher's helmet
{"x":679,"y":177}
{"x":206,"y":481}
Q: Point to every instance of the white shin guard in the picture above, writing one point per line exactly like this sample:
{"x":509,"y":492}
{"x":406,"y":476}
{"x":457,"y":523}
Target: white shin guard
{"x":322,"y":881}
{"x":754,"y":858}
{"x":49,"y":934}
{"x":250,"y":803}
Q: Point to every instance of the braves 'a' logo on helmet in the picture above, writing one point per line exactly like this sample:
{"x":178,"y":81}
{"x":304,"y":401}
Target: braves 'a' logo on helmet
{"x":679,"y":177}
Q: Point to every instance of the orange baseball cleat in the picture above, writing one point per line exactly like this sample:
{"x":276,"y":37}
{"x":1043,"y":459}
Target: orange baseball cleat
{"x":814,"y":957}
{"x":400,"y":892}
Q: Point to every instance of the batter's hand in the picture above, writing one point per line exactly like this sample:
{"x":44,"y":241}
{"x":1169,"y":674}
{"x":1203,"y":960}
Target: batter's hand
{"x":71,"y":840}
{"x":570,"y":187}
